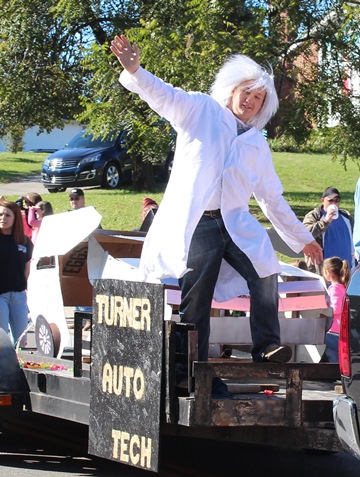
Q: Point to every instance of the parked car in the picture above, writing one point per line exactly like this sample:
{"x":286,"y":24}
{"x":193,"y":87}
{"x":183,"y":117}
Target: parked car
{"x":86,"y":161}
{"x":346,"y":409}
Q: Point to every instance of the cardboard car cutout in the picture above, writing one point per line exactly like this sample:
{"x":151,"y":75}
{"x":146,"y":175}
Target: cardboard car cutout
{"x":59,"y":271}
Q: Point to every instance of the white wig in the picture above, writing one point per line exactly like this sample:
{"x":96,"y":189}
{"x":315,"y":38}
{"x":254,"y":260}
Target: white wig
{"x":236,"y":70}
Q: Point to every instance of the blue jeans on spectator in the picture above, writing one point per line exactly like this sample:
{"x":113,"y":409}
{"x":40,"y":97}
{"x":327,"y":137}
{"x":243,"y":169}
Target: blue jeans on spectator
{"x":14,"y":313}
{"x":332,"y":347}
{"x":210,"y":244}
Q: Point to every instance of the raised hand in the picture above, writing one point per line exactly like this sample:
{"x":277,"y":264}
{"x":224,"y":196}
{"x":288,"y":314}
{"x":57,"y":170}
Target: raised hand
{"x":127,"y":54}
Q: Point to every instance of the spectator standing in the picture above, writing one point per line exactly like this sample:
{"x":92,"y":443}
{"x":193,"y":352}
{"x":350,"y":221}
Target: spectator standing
{"x":32,"y":198}
{"x":149,"y":209}
{"x":336,"y":272}
{"x":203,"y":233}
{"x":77,"y":201}
{"x":24,"y":202}
{"x":15,"y":255}
{"x":148,"y":204}
{"x":332,"y":228}
{"x":36,"y":214}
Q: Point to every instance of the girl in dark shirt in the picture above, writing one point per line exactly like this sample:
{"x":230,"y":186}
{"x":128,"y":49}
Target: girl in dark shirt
{"x":15,"y":255}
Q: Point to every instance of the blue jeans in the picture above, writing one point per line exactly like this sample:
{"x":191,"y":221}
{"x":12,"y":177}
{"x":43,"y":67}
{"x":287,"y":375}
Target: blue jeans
{"x":13,"y":313}
{"x":210,"y":244}
{"x":332,"y":347}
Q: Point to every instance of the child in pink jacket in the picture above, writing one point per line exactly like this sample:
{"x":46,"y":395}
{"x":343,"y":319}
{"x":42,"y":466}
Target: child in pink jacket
{"x":337,"y":273}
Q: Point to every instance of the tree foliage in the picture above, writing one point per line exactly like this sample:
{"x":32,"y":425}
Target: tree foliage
{"x":38,"y":68}
{"x":55,"y":63}
{"x":42,"y":47}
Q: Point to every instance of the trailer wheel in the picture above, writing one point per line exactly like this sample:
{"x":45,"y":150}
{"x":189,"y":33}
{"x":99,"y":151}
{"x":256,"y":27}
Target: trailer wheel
{"x":47,"y":337}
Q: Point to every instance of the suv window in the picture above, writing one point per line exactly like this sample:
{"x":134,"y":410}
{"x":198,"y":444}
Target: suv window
{"x":83,"y":140}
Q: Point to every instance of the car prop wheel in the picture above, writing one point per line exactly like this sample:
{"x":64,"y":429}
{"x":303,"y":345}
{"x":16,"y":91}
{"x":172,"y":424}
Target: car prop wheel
{"x":112,"y":175}
{"x":47,"y":337}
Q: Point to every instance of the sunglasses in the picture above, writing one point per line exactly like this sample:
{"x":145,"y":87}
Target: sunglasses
{"x":335,"y":199}
{"x":74,"y":199}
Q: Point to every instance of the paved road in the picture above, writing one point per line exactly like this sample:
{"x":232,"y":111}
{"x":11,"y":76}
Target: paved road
{"x":36,"y":452}
{"x":32,"y":184}
{"x":22,"y":187}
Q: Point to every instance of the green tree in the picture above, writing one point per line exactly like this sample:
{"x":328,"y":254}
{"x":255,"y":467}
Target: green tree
{"x":316,"y":59}
{"x":38,"y":68}
{"x":311,"y":46}
{"x":55,"y":63}
{"x":42,"y":45}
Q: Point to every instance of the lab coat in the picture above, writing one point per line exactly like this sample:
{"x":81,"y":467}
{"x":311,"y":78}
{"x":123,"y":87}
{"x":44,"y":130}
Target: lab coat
{"x":209,"y":154}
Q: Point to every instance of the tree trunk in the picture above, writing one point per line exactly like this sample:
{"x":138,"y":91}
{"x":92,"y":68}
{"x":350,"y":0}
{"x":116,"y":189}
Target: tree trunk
{"x":143,"y":176}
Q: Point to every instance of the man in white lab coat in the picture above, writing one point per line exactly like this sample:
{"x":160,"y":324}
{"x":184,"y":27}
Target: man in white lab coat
{"x":203,"y":233}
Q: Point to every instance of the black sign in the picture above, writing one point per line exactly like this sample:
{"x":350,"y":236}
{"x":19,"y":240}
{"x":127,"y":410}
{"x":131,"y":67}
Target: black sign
{"x":124,"y":421}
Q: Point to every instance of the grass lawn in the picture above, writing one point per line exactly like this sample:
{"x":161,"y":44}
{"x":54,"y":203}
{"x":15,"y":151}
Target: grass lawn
{"x":304,"y":177}
{"x":17,"y":166}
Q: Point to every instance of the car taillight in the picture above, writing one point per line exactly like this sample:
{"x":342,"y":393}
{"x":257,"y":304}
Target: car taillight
{"x":344,"y":339}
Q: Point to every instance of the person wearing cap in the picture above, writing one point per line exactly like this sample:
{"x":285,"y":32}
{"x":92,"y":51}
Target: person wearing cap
{"x":77,"y":198}
{"x":332,"y":228}
{"x":77,"y":201}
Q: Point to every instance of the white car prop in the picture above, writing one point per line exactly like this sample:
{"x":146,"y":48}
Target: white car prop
{"x":59,"y":274}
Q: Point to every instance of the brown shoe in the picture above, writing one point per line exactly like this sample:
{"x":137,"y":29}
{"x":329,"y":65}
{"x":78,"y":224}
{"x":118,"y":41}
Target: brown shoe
{"x":87,"y":326}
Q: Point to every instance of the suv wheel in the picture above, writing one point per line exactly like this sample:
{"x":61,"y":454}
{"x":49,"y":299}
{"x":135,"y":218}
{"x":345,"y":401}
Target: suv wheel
{"x":111,"y":176}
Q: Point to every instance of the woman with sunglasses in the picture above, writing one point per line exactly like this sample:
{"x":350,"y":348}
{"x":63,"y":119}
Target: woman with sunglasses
{"x":332,"y":228}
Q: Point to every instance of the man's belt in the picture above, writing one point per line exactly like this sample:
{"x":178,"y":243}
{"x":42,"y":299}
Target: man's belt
{"x":214,"y":214}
